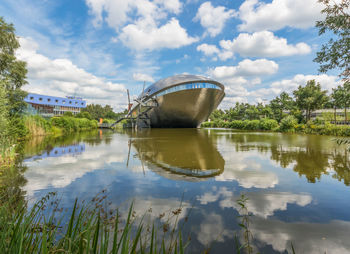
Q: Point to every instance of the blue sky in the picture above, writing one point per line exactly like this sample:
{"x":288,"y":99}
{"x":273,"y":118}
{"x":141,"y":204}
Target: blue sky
{"x":99,"y":48}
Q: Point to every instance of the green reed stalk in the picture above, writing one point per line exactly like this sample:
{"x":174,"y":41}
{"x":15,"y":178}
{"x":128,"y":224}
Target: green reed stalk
{"x":88,"y":230}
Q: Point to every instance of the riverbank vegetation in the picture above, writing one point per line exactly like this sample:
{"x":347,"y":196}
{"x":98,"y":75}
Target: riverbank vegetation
{"x":39,"y":126}
{"x":291,"y":114}
{"x":89,"y":228}
{"x":12,"y":78}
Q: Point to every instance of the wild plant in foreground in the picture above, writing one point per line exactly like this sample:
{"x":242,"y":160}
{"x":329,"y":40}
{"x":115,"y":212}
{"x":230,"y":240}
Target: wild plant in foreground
{"x":88,"y":229}
{"x":245,"y":225}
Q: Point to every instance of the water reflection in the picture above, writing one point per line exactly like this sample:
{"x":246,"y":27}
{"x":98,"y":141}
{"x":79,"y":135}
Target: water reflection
{"x":59,"y":151}
{"x":178,"y":154}
{"x":296,"y":185}
{"x":306,"y":237}
{"x":310,"y":156}
{"x":262,"y":204}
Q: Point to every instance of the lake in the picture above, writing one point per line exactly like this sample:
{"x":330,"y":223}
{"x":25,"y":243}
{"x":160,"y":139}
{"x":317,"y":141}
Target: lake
{"x":297,"y":186}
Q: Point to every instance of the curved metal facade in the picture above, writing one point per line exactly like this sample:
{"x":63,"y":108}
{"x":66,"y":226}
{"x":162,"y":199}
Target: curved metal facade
{"x":184,"y":101}
{"x":177,"y":80}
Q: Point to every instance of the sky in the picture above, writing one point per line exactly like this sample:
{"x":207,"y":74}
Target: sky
{"x":97,"y":49}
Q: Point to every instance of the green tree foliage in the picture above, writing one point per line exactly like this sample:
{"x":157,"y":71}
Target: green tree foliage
{"x":288,"y":123}
{"x":281,"y":103}
{"x":341,"y":97}
{"x":310,"y":97}
{"x":68,"y":113}
{"x":97,"y":111}
{"x":84,"y":115}
{"x":335,"y":54}
{"x":12,"y":71}
{"x":242,"y":111}
{"x":217,"y":114}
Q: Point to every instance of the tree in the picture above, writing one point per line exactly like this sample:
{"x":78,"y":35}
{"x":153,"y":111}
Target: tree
{"x":310,"y":97}
{"x":12,"y":71}
{"x":252,"y":112}
{"x":341,"y":98}
{"x":335,"y":54}
{"x":281,"y":103}
{"x":96,"y":111}
{"x":83,"y":115}
{"x":217,"y":114}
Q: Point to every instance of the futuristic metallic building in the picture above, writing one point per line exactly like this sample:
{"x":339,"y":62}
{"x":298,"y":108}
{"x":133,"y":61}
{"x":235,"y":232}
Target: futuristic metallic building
{"x":181,"y":101}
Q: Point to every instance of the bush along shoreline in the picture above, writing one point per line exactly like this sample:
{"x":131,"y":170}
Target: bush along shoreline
{"x":288,"y":124}
{"x":38,"y":126}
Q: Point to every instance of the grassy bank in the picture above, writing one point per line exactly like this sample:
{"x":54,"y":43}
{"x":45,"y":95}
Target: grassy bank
{"x":287,"y":124}
{"x":39,"y":126}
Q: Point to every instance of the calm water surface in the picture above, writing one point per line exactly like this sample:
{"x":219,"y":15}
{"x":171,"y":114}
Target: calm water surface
{"x":298,"y":186}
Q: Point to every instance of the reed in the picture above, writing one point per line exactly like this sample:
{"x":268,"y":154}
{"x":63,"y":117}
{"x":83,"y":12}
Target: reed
{"x":7,"y":152}
{"x":88,"y":229}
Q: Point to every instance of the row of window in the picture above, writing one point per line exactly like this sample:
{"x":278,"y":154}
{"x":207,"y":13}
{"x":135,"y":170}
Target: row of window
{"x":187,"y":87}
{"x":58,"y":108}
{"x":56,"y":100}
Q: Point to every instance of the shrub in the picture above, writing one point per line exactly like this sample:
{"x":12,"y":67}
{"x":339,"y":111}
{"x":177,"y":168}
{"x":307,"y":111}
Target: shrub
{"x":218,"y":124}
{"x":37,"y":125}
{"x":70,"y":124}
{"x":251,"y":125}
{"x":268,"y":124}
{"x":288,"y":123}
{"x":205,"y":124}
{"x":68,"y":113}
{"x":236,"y":124}
{"x":300,"y":127}
{"x":86,"y":115}
{"x":17,"y":128}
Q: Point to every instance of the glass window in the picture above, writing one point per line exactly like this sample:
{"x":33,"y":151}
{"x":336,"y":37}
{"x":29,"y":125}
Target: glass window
{"x":187,"y":87}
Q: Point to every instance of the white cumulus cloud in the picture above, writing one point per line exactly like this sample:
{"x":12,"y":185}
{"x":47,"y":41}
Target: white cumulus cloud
{"x":142,"y":77}
{"x":263,"y":44}
{"x":212,"y":18}
{"x":143,"y":36}
{"x":61,"y":77}
{"x":327,"y":82}
{"x":207,"y":49}
{"x":245,"y":68}
{"x":142,"y":24}
{"x":258,"y":44}
{"x":257,"y":15}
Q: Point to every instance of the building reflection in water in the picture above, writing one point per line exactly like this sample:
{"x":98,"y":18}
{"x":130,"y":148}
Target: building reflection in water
{"x":191,"y":156}
{"x":59,"y":151}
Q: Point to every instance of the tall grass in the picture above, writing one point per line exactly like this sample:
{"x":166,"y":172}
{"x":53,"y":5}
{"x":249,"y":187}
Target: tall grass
{"x":7,"y":152}
{"x":87,"y":230}
{"x":38,"y":126}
